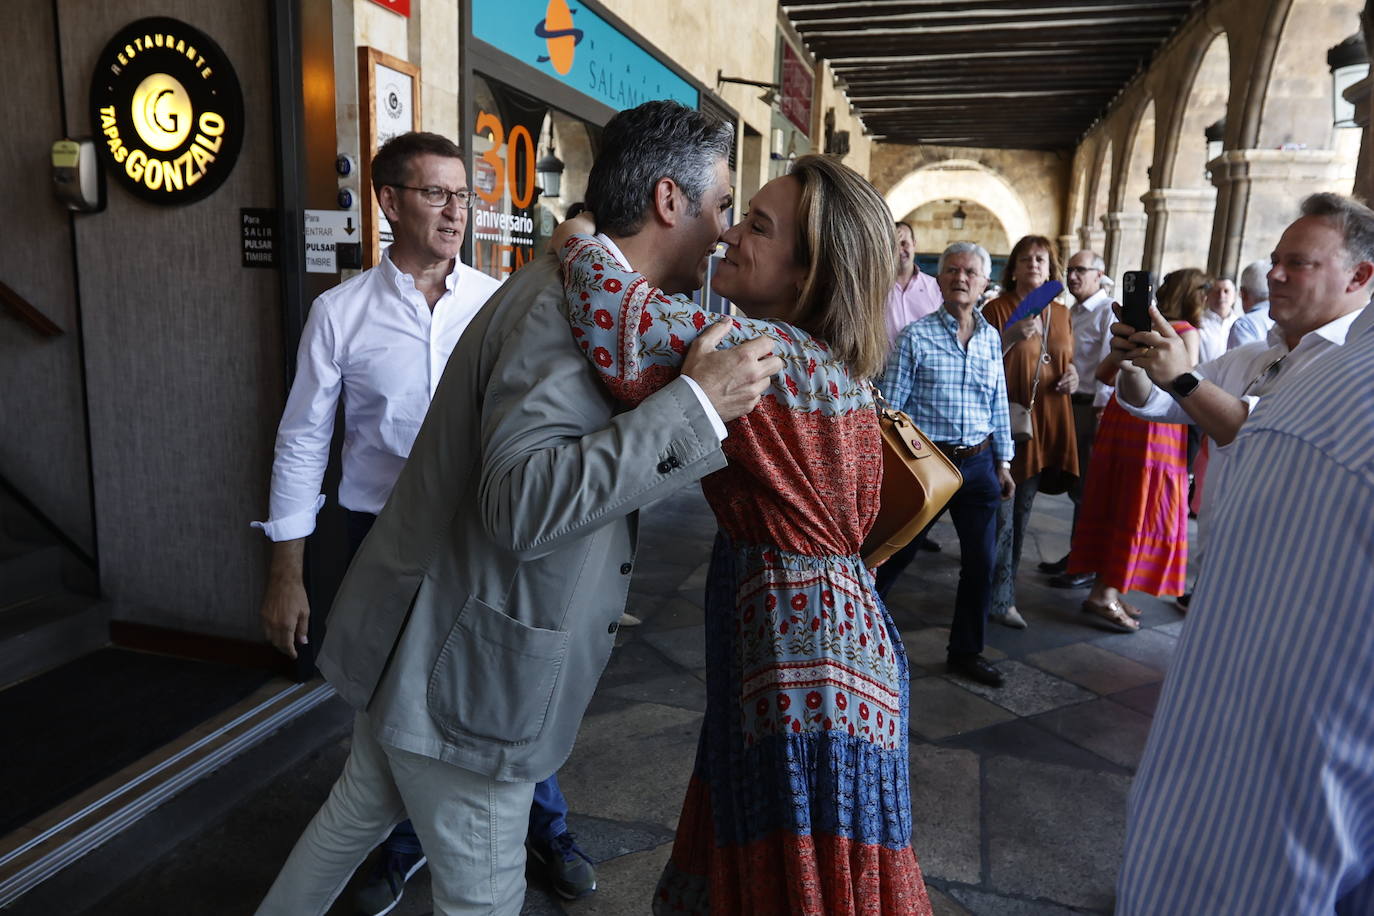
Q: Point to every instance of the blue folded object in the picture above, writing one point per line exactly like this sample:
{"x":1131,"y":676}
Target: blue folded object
{"x":1035,"y":301}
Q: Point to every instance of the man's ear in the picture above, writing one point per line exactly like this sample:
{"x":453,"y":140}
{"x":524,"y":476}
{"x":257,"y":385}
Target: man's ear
{"x":668,"y":202}
{"x":1364,"y":270}
{"x":387,"y":200}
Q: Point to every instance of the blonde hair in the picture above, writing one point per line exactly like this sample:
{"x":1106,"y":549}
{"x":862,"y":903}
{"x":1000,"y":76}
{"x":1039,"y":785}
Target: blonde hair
{"x":845,"y":242}
{"x":1183,"y":295}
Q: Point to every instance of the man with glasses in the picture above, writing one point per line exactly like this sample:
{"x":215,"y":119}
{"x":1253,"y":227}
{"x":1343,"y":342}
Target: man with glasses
{"x":1086,"y":279}
{"x":380,"y":341}
{"x":1312,"y":314}
{"x":1255,"y":793}
{"x":946,"y":372}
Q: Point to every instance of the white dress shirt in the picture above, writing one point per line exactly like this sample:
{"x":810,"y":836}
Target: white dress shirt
{"x":1252,"y":326}
{"x":373,"y":339}
{"x":1092,"y":342}
{"x":1249,"y":372}
{"x":1212,"y":336}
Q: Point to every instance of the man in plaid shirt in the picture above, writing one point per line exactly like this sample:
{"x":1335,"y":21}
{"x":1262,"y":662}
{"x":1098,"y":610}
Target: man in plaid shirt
{"x":946,"y":372}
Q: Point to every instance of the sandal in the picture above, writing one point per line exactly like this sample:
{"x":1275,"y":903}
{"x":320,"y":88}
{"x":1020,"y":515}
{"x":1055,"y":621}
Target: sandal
{"x":1130,"y":609}
{"x":1113,"y":616}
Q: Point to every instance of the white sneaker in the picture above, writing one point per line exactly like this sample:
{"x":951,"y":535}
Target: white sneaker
{"x":630,"y":620}
{"x":1012,"y":618}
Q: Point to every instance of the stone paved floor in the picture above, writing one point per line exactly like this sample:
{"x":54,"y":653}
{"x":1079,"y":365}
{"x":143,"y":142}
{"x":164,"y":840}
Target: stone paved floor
{"x":1018,"y":794}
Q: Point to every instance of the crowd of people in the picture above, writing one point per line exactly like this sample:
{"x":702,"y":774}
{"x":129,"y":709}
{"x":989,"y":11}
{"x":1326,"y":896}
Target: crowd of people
{"x":493,"y":500}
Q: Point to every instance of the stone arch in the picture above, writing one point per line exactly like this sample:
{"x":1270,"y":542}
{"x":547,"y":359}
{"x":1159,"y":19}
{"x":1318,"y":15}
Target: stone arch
{"x":1184,"y":162}
{"x":1125,"y":223}
{"x":963,"y":179}
{"x":1101,"y":188}
{"x":1295,"y":108}
{"x":1137,"y":160}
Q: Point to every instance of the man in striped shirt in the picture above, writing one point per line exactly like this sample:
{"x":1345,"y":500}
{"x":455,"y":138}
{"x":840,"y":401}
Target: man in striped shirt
{"x":1256,"y":792}
{"x":946,"y":372}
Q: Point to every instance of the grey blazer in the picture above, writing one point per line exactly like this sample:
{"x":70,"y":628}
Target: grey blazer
{"x":478,"y":614}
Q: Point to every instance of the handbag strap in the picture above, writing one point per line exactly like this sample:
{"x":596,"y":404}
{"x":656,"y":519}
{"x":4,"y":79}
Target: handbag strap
{"x":1044,"y":355}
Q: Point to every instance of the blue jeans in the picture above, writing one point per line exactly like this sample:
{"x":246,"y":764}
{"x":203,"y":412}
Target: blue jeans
{"x":973,"y":509}
{"x":548,"y":813}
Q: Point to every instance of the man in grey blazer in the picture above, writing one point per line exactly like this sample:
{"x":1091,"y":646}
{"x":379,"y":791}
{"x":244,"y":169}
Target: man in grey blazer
{"x":472,"y":626}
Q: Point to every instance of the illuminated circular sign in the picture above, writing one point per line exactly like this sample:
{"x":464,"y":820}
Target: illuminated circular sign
{"x":167,"y":106}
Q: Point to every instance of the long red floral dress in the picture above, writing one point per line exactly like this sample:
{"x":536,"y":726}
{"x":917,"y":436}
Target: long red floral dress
{"x":799,"y":804}
{"x":1133,"y":528}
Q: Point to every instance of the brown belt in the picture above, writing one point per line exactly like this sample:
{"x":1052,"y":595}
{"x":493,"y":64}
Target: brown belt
{"x":960,"y":452}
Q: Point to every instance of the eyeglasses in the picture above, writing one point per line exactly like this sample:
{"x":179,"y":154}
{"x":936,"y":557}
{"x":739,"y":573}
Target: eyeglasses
{"x":1263,"y":383}
{"x":1079,"y":270}
{"x":439,"y":197}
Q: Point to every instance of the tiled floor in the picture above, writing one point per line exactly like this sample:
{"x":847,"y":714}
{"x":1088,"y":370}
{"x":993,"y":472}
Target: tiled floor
{"x":1018,"y":794}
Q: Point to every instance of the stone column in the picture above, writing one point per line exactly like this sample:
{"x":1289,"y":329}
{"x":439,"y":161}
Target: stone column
{"x":1125,"y":243}
{"x":1258,"y":192}
{"x":1066,"y":248}
{"x":1359,"y":95}
{"x":1179,"y":227}
{"x":1092,"y":238}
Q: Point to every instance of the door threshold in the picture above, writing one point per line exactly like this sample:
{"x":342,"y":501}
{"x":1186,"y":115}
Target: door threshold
{"x":40,"y":849}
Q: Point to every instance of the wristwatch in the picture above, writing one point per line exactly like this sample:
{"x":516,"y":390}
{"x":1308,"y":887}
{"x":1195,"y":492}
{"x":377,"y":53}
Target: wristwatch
{"x":1184,"y":385}
{"x":1004,"y":465}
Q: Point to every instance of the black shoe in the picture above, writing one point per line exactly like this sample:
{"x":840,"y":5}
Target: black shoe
{"x":975,"y":668}
{"x":383,"y":888}
{"x":928,"y":545}
{"x":1073,"y":580}
{"x":1182,"y":601}
{"x":565,"y":864}
{"x":1055,"y":568}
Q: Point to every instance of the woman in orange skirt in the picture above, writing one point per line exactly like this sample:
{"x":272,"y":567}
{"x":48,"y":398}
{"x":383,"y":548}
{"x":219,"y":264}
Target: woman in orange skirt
{"x":1133,"y":525}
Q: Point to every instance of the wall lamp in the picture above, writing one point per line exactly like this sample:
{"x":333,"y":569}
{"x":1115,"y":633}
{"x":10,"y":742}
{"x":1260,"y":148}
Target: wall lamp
{"x":770,"y":90}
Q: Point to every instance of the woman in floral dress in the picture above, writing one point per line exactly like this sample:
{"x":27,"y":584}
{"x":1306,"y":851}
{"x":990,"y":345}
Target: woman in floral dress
{"x":799,"y":804}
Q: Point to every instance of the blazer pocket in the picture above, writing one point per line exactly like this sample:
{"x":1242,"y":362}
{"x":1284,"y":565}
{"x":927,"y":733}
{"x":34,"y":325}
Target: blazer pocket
{"x":495,"y":676}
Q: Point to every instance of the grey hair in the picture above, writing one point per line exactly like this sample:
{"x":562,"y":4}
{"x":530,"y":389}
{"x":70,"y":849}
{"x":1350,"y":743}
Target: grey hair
{"x":1353,"y":219}
{"x":1254,"y":279}
{"x":640,"y":146}
{"x":1096,"y":263}
{"x":966,"y":248}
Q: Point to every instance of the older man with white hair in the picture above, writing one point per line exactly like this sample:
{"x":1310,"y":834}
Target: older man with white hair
{"x":946,"y":372}
{"x":1254,"y":298}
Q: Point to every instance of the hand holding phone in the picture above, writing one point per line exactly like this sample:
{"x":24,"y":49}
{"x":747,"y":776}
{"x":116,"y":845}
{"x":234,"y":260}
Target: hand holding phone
{"x":1137,"y":293}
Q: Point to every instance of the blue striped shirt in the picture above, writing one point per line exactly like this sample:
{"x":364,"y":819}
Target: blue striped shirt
{"x":953,"y":394}
{"x":1256,"y":792}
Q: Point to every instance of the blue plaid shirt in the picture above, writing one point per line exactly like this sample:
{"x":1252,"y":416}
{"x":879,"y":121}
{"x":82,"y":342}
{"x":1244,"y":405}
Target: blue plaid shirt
{"x":955,"y":395}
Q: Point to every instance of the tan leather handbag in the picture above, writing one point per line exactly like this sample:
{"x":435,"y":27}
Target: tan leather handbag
{"x":918,"y":481}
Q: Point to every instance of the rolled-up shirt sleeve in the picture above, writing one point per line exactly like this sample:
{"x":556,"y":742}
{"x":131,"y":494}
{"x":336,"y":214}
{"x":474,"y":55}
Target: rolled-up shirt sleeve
{"x":1002,"y":447}
{"x":305,"y":433}
{"x":899,"y":377}
{"x":1159,"y":407}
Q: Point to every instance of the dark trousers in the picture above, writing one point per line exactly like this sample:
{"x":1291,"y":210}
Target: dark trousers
{"x":974,"y":513}
{"x":1085,"y":431}
{"x":548,"y":813}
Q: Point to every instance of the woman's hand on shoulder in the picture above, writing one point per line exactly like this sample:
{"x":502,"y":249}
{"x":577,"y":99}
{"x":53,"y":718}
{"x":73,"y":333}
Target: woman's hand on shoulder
{"x":583,"y":223}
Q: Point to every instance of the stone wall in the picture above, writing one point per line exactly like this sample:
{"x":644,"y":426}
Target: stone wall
{"x":1037,"y":182}
{"x":1260,"y":64}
